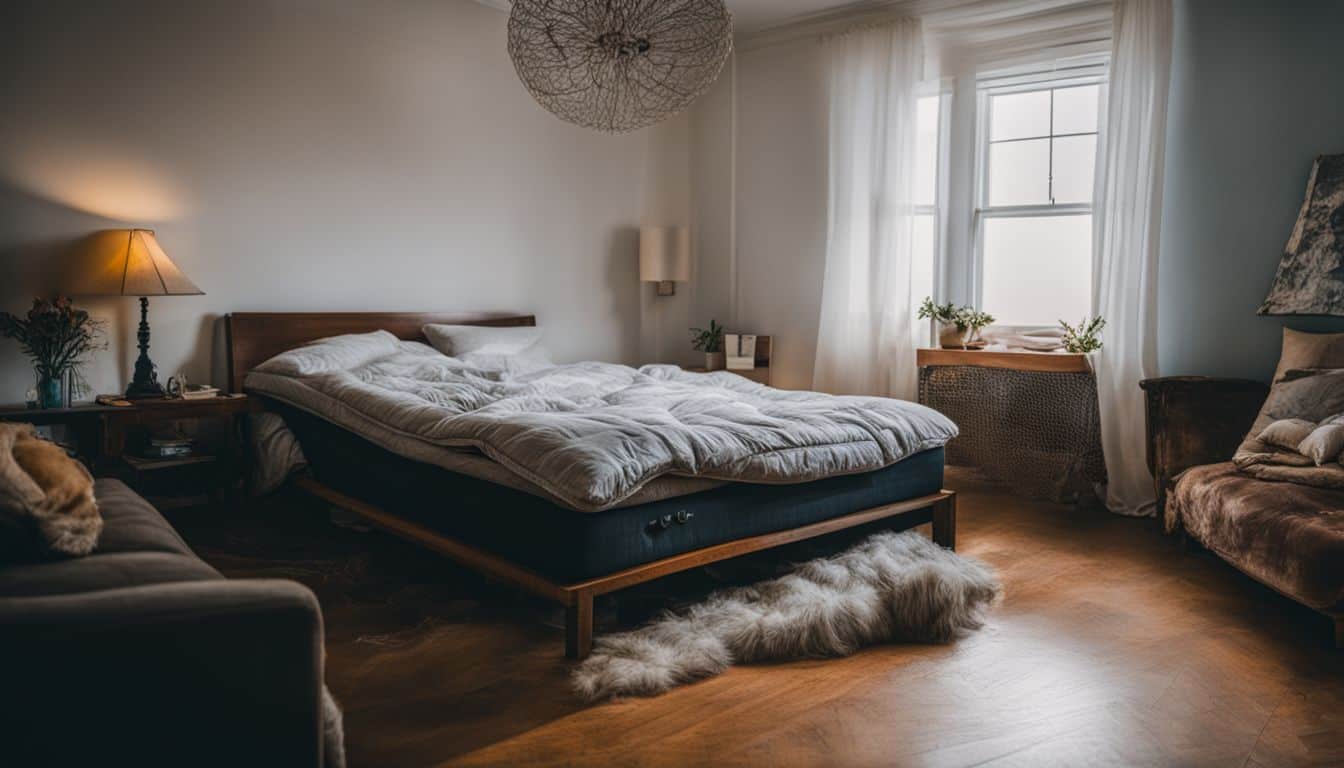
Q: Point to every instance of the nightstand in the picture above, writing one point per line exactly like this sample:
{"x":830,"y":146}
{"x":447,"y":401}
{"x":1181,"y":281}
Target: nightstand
{"x":218,"y":464}
{"x":760,"y":374}
{"x":110,"y":440}
{"x":79,"y":429}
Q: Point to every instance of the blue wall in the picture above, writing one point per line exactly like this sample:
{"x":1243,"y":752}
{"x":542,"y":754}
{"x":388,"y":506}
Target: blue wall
{"x":1257,"y":92}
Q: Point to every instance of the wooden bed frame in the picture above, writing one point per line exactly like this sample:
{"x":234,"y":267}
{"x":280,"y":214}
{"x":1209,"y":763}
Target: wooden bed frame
{"x":254,"y":337}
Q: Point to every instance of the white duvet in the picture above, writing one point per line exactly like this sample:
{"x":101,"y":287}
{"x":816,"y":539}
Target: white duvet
{"x":593,"y":434}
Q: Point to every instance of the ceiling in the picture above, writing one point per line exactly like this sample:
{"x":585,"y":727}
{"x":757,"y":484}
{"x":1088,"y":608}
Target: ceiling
{"x":751,"y":15}
{"x":989,"y":18}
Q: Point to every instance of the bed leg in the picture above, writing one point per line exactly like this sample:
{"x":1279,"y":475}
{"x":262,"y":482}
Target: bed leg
{"x":945,"y":521}
{"x":579,"y":627}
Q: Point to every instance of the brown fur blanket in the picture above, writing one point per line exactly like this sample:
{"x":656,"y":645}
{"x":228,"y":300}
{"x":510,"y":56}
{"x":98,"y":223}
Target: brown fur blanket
{"x":45,"y":493}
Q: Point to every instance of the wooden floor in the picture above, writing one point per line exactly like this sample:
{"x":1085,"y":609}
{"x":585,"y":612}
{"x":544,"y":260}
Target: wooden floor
{"x":1112,"y":647}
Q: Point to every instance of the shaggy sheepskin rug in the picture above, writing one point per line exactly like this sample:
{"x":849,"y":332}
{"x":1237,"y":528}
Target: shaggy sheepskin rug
{"x":889,"y":587}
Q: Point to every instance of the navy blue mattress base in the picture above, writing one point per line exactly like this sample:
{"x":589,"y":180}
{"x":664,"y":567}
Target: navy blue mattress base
{"x":568,"y":546}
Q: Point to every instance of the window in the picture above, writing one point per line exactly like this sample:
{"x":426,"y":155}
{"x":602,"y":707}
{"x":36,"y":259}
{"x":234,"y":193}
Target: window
{"x":929,"y":165}
{"x":1033,"y":218}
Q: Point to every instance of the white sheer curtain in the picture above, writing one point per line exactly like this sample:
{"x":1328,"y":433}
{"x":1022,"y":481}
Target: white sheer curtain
{"x":865,"y":343}
{"x":1125,"y":241}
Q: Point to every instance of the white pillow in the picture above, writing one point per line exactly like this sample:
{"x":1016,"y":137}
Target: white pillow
{"x":516,"y":350}
{"x":1324,"y":444}
{"x":1287,"y":433}
{"x":336,"y":353}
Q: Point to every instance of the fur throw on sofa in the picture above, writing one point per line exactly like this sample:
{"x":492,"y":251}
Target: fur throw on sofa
{"x":45,"y":494}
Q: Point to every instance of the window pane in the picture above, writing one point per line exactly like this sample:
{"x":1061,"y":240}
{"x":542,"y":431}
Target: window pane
{"x":1019,"y":115}
{"x":1076,"y":109}
{"x":922,"y":270}
{"x":1038,"y":270}
{"x":1019,"y":172}
{"x":926,"y":151}
{"x":925,"y":255}
{"x":1075,"y":163}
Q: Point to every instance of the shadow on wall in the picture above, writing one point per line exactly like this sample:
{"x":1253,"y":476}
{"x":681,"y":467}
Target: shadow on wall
{"x":35,"y":263}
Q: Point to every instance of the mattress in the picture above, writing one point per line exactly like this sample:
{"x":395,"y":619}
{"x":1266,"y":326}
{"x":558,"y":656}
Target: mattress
{"x":569,"y":546}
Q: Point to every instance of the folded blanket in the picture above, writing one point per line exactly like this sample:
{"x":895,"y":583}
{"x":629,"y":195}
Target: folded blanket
{"x":592,"y":434}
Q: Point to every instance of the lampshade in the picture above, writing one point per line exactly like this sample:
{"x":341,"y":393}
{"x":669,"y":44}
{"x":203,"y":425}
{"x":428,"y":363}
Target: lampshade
{"x":664,"y":254}
{"x":129,"y":262}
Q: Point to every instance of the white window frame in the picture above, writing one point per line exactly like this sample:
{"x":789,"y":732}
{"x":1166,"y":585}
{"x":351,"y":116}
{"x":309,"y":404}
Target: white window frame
{"x":982,"y":209}
{"x":943,"y":90}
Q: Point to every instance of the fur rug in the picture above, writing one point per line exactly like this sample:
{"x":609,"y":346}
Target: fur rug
{"x":889,"y":587}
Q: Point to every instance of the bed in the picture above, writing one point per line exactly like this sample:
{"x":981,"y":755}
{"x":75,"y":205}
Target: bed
{"x":514,"y":525}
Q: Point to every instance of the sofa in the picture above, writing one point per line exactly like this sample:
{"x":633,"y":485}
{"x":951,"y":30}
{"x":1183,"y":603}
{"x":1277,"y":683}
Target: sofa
{"x":1286,"y":535}
{"x":142,"y":654}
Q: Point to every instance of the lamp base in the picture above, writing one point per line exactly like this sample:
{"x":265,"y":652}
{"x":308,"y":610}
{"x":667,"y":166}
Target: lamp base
{"x":145,"y":391}
{"x":145,"y":384}
{"x":666,"y":288}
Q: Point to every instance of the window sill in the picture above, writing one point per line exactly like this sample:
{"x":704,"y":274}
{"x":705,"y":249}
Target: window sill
{"x":1015,"y":360}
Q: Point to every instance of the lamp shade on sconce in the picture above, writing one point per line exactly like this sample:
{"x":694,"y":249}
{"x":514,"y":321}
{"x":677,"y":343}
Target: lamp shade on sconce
{"x":129,"y":262}
{"x":664,"y":257}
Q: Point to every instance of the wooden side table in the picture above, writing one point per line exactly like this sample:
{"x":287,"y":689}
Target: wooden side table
{"x":760,"y":374}
{"x":83,"y":426}
{"x":220,"y":468}
{"x":109,"y":438}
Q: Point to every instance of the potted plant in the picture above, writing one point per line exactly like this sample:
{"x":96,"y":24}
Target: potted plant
{"x":59,"y":339}
{"x":946,"y":323}
{"x":710,"y":341}
{"x":1084,"y":337}
{"x":975,"y":320}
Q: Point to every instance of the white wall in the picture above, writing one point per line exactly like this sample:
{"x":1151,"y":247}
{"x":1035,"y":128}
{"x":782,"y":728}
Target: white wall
{"x":1253,"y":101}
{"x":781,"y":202}
{"x":309,"y":156}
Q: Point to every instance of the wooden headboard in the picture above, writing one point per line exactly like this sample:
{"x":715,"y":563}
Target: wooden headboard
{"x":255,"y":337}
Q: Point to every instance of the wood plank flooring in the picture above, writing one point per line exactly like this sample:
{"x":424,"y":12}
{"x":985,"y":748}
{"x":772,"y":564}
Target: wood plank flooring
{"x":1112,"y":647}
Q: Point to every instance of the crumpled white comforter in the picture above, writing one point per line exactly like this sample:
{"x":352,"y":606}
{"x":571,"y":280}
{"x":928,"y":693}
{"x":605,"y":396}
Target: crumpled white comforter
{"x":592,"y":434}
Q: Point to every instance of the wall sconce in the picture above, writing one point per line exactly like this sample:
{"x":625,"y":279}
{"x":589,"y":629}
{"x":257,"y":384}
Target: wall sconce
{"x":665,"y":257}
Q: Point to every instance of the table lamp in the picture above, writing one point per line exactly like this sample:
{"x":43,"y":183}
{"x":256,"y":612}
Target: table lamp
{"x":664,"y":257}
{"x":130,"y":262}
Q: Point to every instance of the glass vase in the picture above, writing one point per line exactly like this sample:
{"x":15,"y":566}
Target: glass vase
{"x":49,"y":392}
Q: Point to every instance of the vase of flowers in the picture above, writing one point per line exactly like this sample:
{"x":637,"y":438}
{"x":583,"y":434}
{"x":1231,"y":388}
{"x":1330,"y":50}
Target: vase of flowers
{"x":710,"y":341}
{"x":975,"y":321}
{"x":946,"y":323}
{"x":59,"y":339}
{"x":1084,"y":337}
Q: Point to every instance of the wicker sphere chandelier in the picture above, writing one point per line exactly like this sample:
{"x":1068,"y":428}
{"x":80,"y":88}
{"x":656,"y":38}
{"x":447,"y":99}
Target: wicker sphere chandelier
{"x":618,"y":65}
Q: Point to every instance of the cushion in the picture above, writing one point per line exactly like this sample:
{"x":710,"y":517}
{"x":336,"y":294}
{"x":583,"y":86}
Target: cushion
{"x":1286,"y":535}
{"x":1315,"y":396}
{"x":132,"y":524}
{"x":1324,"y":443}
{"x":1287,"y":433}
{"x":137,"y":548}
{"x":337,"y":353}
{"x":516,"y":350}
{"x":458,"y":340}
{"x":1309,"y":350}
